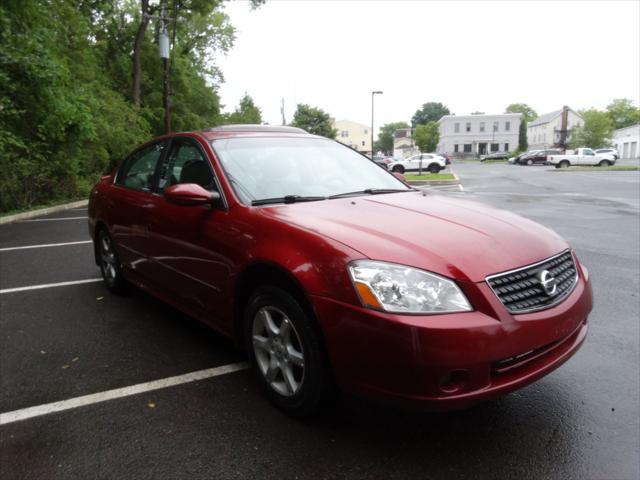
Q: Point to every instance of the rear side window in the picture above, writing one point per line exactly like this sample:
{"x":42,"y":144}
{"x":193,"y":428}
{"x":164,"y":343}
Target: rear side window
{"x":139,"y":169}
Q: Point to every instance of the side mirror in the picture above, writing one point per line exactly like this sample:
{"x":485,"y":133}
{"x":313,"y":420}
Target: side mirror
{"x":190,"y":194}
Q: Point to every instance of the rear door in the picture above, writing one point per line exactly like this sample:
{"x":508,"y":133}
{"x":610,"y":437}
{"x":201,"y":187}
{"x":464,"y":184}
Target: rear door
{"x":185,"y":240}
{"x":129,"y":203}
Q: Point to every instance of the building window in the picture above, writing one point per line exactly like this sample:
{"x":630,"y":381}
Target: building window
{"x":482,"y":126}
{"x":456,"y":127}
{"x":366,"y":131}
{"x":363,"y":143}
{"x":467,"y":148}
{"x":506,"y":147}
{"x":495,"y":126}
{"x":468,"y":127}
{"x":507,"y":126}
{"x":455,"y":148}
{"x":495,"y":147}
{"x":344,"y":133}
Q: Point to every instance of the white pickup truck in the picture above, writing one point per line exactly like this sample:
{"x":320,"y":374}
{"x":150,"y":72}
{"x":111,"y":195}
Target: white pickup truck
{"x":582,"y":156}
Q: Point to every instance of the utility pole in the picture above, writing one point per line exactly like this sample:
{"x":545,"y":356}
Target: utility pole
{"x":376,"y":92}
{"x":163,"y":44}
{"x":284,"y":122}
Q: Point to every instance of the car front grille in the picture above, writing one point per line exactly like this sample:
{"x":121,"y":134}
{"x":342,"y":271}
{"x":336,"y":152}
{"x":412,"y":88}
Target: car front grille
{"x":523,"y":290}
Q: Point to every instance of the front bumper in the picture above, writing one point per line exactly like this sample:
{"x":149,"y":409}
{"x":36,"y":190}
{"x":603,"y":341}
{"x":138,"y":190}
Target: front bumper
{"x":452,"y":361}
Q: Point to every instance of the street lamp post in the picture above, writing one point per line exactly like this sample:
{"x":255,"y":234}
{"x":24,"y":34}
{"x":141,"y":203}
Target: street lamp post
{"x":376,"y":92}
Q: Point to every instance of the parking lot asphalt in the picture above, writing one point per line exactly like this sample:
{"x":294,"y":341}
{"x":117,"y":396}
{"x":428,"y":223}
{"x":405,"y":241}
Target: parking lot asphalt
{"x":58,"y":343}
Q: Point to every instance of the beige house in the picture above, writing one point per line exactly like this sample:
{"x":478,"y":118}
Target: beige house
{"x":545,"y":131}
{"x":354,"y":134}
{"x":403,"y":146}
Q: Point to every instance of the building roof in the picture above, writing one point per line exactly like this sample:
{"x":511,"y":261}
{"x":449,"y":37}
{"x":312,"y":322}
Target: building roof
{"x":547,"y":117}
{"x":484,"y":115}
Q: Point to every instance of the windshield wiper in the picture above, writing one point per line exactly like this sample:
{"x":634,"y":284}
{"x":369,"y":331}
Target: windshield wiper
{"x":287,"y":199}
{"x":371,"y":191}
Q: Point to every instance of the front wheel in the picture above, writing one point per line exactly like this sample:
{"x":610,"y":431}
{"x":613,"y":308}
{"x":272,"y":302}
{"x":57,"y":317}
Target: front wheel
{"x":109,"y":263}
{"x":529,"y":162}
{"x":285,"y":352}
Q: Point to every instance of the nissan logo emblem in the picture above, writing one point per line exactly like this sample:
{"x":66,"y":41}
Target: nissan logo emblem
{"x":548,"y":282}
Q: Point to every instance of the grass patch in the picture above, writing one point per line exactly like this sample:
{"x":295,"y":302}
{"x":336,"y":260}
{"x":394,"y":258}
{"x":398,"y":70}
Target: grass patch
{"x":618,"y":168}
{"x":429,"y":176}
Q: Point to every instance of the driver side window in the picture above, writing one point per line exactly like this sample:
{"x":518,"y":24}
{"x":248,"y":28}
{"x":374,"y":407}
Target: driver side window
{"x":186,"y":163}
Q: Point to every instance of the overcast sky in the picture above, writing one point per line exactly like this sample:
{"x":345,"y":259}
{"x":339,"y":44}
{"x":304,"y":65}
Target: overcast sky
{"x":471,"y":56}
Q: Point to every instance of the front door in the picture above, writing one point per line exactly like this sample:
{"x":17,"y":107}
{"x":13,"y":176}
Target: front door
{"x":482,"y":148}
{"x":130,"y":202}
{"x":183,"y":239}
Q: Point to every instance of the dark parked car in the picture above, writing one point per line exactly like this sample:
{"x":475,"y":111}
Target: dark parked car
{"x":538,"y":157}
{"x":383,"y":161}
{"x":317,"y":262}
{"x":496,"y":156}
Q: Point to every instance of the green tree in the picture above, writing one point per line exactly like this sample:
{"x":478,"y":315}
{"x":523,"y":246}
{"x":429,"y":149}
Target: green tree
{"x":623,"y":113}
{"x":523,"y":144}
{"x":313,"y":120}
{"x":427,"y":136}
{"x":384,"y":143}
{"x":430,"y":112}
{"x":246,"y":112}
{"x":528,"y":113}
{"x":595,"y":131}
{"x":68,"y":109}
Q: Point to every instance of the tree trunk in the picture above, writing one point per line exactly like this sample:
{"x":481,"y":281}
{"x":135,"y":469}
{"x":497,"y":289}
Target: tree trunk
{"x":137,"y":46}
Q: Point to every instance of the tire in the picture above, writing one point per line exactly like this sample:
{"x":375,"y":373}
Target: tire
{"x":529,"y":162}
{"x":564,"y":164}
{"x":434,"y":168}
{"x":290,"y":366}
{"x":604,"y":163}
{"x":398,"y":169}
{"x":109,"y":263}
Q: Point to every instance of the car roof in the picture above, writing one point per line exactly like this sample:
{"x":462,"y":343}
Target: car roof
{"x":226,"y":131}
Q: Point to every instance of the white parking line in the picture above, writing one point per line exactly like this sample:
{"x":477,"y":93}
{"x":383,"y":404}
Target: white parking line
{"x":52,"y":219}
{"x":76,"y":402}
{"x":49,"y":285}
{"x":44,"y":245}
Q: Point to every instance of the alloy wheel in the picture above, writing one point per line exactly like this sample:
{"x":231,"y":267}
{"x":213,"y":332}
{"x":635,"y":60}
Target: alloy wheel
{"x":107,"y":259}
{"x":278,"y":351}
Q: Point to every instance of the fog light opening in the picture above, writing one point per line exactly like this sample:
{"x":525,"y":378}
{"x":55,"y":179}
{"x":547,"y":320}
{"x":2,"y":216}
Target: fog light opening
{"x":454,"y":381}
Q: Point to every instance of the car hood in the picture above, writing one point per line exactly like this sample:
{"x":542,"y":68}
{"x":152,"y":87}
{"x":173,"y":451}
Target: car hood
{"x":452,"y":237}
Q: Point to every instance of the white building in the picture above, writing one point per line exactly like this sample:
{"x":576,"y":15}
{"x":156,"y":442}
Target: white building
{"x":479,"y":134}
{"x":545,"y":131}
{"x":354,"y":134}
{"x":627,"y":141}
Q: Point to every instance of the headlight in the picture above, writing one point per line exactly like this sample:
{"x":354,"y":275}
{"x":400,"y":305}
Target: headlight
{"x":401,"y":289}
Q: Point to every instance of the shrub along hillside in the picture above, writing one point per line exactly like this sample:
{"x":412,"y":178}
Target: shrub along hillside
{"x":67,"y":106}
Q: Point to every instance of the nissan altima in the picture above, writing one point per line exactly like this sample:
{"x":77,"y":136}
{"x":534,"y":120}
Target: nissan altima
{"x":333,"y":274}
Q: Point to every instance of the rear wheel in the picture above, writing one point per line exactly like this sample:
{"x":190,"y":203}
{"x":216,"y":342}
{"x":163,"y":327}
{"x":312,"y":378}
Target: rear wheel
{"x":109,"y":263}
{"x":604,"y":163}
{"x":398,"y":169}
{"x":434,"y":168}
{"x":285,"y":352}
{"x":564,"y":164}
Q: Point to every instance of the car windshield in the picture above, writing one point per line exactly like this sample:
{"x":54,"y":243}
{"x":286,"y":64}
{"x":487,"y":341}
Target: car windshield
{"x":297,"y":169}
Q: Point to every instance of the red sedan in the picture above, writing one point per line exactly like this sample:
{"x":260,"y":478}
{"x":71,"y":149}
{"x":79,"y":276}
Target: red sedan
{"x":330,"y":271}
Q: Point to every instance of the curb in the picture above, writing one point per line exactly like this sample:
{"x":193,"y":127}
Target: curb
{"x":421,"y":183}
{"x":42,"y":211}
